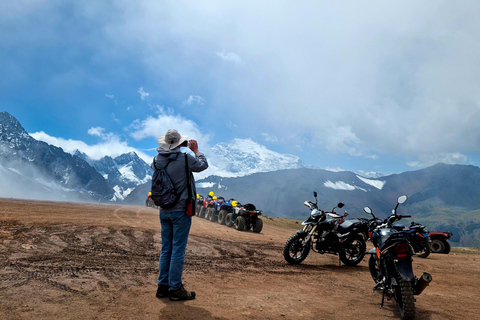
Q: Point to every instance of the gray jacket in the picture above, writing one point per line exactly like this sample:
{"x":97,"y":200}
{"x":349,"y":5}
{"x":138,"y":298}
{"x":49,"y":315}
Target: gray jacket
{"x":176,"y":171}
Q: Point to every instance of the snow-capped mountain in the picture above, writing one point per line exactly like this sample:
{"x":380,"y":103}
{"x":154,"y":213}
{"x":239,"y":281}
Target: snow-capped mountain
{"x":124,"y":172}
{"x":36,"y":166}
{"x":243,"y":157}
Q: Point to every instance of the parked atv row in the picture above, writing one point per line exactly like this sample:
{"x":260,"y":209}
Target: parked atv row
{"x":230,"y":213}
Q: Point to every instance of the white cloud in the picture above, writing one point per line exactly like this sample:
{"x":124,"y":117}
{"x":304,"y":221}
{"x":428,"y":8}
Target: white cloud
{"x":143,"y":94}
{"x":153,"y":127}
{"x":361,"y":79}
{"x":269,"y":138}
{"x":111,"y":145}
{"x":229,"y":57}
{"x":426,"y":160}
{"x":97,"y":131}
{"x":194,"y":100}
{"x":111,"y":97}
{"x":332,"y":169}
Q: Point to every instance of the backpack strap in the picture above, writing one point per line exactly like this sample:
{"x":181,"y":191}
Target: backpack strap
{"x":188,"y":177}
{"x":169,"y":160}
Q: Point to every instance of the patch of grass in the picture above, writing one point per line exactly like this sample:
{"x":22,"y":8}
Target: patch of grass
{"x":282,"y":222}
{"x":466,"y":250}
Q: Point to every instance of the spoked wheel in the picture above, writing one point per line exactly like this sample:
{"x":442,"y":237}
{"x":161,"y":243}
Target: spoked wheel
{"x":353,"y":251}
{"x":296,"y":249}
{"x":404,"y":298}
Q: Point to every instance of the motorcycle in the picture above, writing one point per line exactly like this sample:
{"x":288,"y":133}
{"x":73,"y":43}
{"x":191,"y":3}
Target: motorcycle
{"x":323,"y":233}
{"x":390,"y":264}
{"x":421,"y":238}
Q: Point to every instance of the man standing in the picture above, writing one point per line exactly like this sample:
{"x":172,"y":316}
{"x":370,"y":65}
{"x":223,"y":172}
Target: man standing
{"x":175,"y":224}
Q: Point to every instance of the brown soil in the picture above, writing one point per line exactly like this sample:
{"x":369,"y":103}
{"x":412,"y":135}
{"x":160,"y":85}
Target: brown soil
{"x":84,"y":261}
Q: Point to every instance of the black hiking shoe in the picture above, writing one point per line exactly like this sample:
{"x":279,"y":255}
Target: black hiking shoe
{"x":162,"y":291}
{"x":181,"y":294}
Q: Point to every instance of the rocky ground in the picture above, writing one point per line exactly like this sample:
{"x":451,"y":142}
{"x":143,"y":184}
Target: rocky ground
{"x":83,"y":261}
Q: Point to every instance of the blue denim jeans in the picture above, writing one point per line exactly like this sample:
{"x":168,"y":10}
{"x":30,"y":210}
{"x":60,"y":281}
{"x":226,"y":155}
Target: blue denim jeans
{"x":175,"y":229}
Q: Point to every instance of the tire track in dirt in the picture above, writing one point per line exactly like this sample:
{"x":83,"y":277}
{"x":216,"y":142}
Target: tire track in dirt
{"x":127,"y":223}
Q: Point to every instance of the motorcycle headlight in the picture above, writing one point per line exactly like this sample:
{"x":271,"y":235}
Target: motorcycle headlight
{"x":315,"y":213}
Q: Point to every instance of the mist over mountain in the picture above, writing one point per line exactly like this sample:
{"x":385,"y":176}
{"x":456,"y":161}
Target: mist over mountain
{"x":35,"y":169}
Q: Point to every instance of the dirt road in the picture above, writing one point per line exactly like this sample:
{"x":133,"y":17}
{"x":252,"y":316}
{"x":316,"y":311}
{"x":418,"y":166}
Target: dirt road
{"x":83,"y":261}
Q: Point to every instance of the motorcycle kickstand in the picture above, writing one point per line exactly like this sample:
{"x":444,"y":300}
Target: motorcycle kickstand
{"x":339,"y":261}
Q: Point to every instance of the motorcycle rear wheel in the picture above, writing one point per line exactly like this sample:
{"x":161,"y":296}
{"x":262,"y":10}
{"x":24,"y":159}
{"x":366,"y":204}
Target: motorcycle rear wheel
{"x":295,"y":249}
{"x":404,"y":299}
{"x":353,"y":251}
{"x":425,"y":249}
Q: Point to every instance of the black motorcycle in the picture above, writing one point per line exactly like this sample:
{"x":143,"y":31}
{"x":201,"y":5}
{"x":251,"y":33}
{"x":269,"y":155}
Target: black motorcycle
{"x":323,"y":233}
{"x":420,"y":240}
{"x":390,"y":264}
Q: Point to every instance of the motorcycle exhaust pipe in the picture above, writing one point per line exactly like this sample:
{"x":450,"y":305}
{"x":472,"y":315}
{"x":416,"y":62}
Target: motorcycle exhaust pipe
{"x":422,"y":283}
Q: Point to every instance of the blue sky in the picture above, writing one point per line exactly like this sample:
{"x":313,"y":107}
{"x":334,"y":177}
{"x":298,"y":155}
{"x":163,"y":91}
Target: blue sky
{"x":371,"y":86}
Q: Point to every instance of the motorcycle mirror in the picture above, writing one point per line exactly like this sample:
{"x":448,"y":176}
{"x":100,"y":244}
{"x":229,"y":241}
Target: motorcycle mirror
{"x":367,"y":210}
{"x":340,"y":205}
{"x":315,"y":194}
{"x":402,"y":199}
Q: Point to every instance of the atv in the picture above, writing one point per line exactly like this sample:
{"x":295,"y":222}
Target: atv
{"x":245,"y":217}
{"x":202,"y":206}
{"x":213,"y":209}
{"x":149,"y":202}
{"x":199,"y":204}
{"x":439,"y":242}
{"x":224,"y":209}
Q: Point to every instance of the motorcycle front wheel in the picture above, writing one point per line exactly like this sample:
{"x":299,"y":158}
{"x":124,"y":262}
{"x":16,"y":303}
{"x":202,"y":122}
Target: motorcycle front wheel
{"x":404,"y":299}
{"x":296,"y":249}
{"x":373,"y":265}
{"x":353,"y":251}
